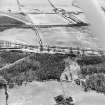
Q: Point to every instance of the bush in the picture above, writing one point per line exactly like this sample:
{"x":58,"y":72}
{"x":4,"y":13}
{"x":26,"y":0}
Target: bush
{"x":7,"y":57}
{"x":51,"y":66}
{"x":96,"y":82}
{"x":35,"y":67}
{"x":91,"y":60}
{"x":91,"y":69}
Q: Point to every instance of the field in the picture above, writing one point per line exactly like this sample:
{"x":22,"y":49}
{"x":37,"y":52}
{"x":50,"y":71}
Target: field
{"x":43,"y":93}
{"x":33,"y":79}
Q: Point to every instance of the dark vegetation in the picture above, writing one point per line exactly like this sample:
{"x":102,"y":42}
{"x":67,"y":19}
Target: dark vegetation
{"x":4,"y":20}
{"x":49,"y":66}
{"x":7,"y":57}
{"x":96,"y":82}
{"x":61,"y":100}
{"x":91,"y":60}
{"x":34,"y":67}
{"x":8,"y":23}
{"x":93,"y":71}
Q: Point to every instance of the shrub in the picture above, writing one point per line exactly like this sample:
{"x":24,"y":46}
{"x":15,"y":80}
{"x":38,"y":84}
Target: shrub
{"x":35,"y":67}
{"x":91,"y":69}
{"x":96,"y":82}
{"x":91,"y":60}
{"x":7,"y":57}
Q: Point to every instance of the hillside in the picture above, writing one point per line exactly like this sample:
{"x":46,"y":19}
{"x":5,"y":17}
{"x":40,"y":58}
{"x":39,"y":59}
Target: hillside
{"x":20,"y":67}
{"x":30,"y":76}
{"x":7,"y":57}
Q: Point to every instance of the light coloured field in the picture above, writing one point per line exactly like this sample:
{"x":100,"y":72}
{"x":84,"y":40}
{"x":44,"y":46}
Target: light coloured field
{"x":68,"y":37}
{"x":62,"y":36}
{"x":38,"y":93}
